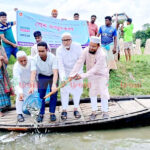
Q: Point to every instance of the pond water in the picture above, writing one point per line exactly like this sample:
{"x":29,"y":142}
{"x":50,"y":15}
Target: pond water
{"x":119,"y":139}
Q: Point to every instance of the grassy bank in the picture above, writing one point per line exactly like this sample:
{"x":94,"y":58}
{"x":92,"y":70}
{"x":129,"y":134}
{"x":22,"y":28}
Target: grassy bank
{"x":131,"y":78}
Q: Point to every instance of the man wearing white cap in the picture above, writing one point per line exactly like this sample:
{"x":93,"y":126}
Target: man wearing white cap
{"x":97,"y":74}
{"x":21,"y":79}
{"x":67,"y":55}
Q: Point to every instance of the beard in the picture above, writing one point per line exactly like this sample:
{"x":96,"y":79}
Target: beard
{"x":92,"y":52}
{"x":92,"y":22}
{"x":24,"y":67}
{"x":67,"y":47}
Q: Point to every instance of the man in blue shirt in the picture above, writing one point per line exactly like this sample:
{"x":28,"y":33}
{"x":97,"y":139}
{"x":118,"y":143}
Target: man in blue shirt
{"x":6,"y":34}
{"x":109,"y":41}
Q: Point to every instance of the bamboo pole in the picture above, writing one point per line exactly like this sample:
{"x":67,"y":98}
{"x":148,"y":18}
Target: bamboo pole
{"x":62,"y":85}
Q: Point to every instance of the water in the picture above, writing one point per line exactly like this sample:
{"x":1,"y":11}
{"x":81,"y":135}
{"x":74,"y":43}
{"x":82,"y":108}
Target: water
{"x":122,"y":139}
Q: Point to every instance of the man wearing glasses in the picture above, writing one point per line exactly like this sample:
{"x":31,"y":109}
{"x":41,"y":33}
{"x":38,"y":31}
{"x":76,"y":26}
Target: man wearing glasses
{"x":67,"y":55}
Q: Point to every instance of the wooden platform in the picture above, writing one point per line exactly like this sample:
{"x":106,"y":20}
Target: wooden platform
{"x":118,"y":110}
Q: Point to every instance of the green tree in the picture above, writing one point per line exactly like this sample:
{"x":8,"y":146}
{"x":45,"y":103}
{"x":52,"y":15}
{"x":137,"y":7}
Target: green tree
{"x":143,"y":34}
{"x":146,"y":26}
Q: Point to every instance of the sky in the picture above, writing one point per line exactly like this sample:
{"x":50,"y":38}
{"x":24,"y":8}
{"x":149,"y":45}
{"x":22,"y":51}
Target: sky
{"x":138,"y":10}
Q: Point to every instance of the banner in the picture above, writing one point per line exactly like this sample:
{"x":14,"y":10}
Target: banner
{"x":50,"y":28}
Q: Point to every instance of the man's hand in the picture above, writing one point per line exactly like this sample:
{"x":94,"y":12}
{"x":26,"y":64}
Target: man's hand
{"x":1,"y":58}
{"x":114,"y":50}
{"x":78,"y":77}
{"x":31,"y":90}
{"x":21,"y":97}
{"x":54,"y":88}
{"x":14,"y":45}
{"x":74,"y":77}
{"x":70,"y":78}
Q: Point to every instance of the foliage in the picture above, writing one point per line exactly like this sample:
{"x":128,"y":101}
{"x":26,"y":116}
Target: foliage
{"x":143,"y":34}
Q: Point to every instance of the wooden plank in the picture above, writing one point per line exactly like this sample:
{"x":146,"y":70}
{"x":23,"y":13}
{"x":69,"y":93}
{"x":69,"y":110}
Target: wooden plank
{"x":144,"y":102}
{"x":130,"y":106}
{"x":115,"y":110}
{"x":11,"y":118}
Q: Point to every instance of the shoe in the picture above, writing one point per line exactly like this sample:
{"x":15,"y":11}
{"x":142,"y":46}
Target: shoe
{"x":105,"y":116}
{"x":77,"y":114}
{"x":53,"y":117}
{"x":39,"y":118}
{"x":64,"y":115}
{"x":20,"y":118}
{"x":92,"y":116}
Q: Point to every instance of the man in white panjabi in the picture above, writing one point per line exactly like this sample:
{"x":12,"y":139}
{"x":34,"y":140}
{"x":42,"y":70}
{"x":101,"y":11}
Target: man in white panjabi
{"x":97,"y":74}
{"x":67,"y":55}
{"x":38,"y":38}
{"x":21,"y":79}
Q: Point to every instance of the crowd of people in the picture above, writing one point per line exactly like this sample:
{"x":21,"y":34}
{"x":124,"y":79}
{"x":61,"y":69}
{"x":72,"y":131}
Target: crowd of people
{"x":45,"y":66}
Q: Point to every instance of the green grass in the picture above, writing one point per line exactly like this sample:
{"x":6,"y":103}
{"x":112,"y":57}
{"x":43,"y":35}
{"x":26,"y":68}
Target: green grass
{"x":131,"y":78}
{"x":142,"y":49}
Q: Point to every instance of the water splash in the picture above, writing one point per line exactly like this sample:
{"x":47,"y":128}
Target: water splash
{"x":11,"y":137}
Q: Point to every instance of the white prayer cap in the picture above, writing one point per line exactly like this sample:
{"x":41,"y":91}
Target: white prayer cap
{"x":66,"y":34}
{"x":95,"y":39}
{"x":21,"y":54}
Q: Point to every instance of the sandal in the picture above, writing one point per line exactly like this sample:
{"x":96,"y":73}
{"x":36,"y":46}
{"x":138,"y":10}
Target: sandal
{"x":64,"y":116}
{"x":93,"y":116}
{"x":20,"y":118}
{"x":77,"y":114}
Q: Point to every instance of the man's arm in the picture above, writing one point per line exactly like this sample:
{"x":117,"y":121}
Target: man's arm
{"x":98,"y":67}
{"x":7,"y":41}
{"x":126,"y":15}
{"x":117,"y":24}
{"x":17,"y":82}
{"x":115,"y":41}
{"x":55,"y":78}
{"x":78,"y":65}
{"x":14,"y":22}
{"x":99,"y":32}
{"x":96,"y":32}
{"x":32,"y":81}
{"x":115,"y":44}
{"x":61,"y":68}
{"x":15,"y":9}
{"x":33,"y":75}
